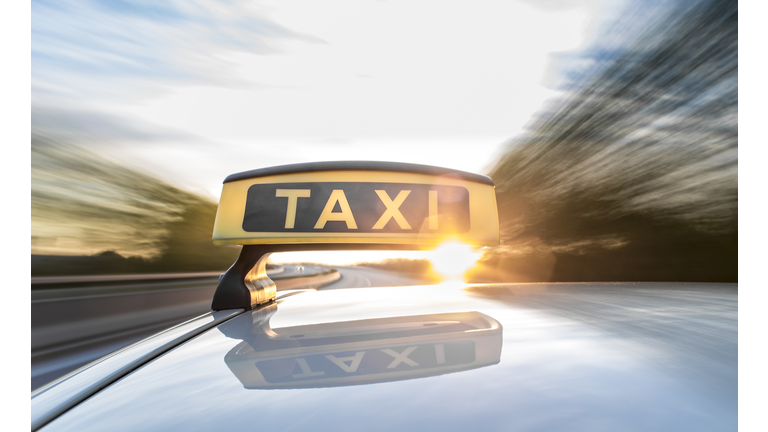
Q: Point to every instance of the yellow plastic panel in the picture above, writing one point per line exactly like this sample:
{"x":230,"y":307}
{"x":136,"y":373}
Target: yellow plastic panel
{"x":357,"y":207}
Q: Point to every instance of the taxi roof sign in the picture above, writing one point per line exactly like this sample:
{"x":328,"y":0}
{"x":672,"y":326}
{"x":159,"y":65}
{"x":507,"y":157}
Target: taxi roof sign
{"x":344,"y":205}
{"x":402,"y":206}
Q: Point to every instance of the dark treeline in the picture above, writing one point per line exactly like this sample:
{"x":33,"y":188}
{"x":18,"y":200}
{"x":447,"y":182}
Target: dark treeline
{"x":632,"y":175}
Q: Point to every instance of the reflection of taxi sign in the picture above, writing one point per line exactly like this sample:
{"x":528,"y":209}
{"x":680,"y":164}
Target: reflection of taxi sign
{"x":361,"y":352}
{"x":344,"y":205}
{"x":381,"y":362}
{"x":357,"y":202}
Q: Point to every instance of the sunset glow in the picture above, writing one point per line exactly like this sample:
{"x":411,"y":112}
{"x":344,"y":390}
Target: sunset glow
{"x":451,"y":260}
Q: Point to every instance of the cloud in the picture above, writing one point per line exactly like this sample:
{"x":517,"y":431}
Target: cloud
{"x":88,"y":126}
{"x":79,"y":44}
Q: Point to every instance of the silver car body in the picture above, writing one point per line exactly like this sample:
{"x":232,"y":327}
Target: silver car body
{"x":539,"y":357}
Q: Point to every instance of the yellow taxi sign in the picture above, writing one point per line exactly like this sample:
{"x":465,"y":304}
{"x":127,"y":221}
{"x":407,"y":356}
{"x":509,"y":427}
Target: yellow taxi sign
{"x":395,"y":205}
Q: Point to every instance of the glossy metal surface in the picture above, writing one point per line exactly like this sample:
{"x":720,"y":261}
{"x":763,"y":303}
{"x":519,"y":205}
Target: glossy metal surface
{"x":572,"y":357}
{"x":60,"y":395}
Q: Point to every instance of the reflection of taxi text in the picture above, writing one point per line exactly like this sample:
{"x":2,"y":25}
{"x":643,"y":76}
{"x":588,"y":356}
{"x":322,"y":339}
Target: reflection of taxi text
{"x":369,"y":362}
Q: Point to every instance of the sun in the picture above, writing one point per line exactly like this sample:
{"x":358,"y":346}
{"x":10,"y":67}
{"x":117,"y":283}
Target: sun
{"x":452,"y":260}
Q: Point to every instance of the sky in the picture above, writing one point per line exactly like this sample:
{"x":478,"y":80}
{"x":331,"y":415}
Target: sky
{"x":193,"y":91}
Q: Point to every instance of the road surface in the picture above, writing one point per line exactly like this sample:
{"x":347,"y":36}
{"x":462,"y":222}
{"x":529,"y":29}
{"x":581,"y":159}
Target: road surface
{"x":361,"y":277}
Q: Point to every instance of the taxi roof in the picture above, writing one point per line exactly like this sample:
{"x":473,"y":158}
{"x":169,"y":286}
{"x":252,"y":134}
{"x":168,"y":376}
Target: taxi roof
{"x":523,"y":357}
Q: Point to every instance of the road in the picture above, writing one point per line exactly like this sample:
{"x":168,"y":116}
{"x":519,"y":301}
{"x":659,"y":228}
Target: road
{"x":360,"y":277}
{"x":74,"y":326}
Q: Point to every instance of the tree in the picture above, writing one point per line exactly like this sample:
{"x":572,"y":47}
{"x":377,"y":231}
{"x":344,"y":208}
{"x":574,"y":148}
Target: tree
{"x":632,"y":175}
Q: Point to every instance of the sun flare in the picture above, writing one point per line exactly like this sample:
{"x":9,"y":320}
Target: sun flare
{"x":452,"y":260}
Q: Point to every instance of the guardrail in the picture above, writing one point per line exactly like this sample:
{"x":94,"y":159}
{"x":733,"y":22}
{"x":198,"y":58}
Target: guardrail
{"x":58,"y":280}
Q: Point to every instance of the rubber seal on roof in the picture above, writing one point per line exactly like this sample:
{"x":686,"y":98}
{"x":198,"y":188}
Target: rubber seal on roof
{"x":358,"y":166}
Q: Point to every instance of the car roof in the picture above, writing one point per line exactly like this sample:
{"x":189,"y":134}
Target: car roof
{"x":524,"y":356}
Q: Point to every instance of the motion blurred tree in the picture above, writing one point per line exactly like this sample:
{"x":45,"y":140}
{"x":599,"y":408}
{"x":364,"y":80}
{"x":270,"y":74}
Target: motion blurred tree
{"x":188,"y":245}
{"x":632,"y":174}
{"x":83,"y":204}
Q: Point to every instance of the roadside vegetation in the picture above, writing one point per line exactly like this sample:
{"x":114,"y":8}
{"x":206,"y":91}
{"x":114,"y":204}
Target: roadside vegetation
{"x":94,"y":216}
{"x":632,"y":175}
